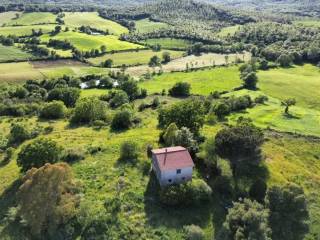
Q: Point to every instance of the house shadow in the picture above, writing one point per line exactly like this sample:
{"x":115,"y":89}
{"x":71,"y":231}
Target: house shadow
{"x":160,"y":215}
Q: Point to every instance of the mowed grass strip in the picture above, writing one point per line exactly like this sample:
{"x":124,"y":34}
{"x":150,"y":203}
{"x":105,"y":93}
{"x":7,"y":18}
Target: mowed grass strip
{"x":34,"y":18}
{"x":85,"y":42}
{"x":25,"y":30}
{"x":13,"y":54}
{"x":92,"y":19}
{"x":146,"y":25}
{"x":169,"y":43}
{"x":133,"y":58}
{"x":299,"y":82}
{"x":202,"y":81}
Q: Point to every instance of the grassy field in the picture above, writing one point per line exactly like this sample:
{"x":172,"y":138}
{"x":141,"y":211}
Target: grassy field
{"x":12,"y":53}
{"x":299,"y":82}
{"x":169,"y":43}
{"x":133,"y":58}
{"x":6,"y":17}
{"x":25,"y":30}
{"x":93,"y":20}
{"x":308,"y":23}
{"x":85,"y":42}
{"x":202,"y":82}
{"x":228,"y":31}
{"x":145,"y":26}
{"x":34,"y":19}
{"x":36,"y":71}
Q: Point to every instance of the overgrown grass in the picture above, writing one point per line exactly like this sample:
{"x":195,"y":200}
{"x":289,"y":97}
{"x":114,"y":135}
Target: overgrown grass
{"x":133,"y":58}
{"x":92,"y":19}
{"x":12,"y":54}
{"x":169,"y":43}
{"x":146,"y":25}
{"x":25,"y":30}
{"x":33,"y":18}
{"x":85,"y":42}
{"x":228,"y":31}
{"x":6,"y":17}
{"x":308,"y":23}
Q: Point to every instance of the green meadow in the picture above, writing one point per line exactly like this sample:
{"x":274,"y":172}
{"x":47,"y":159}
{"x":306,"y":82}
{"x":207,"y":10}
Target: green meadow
{"x":13,"y":54}
{"x":133,"y":57}
{"x":92,"y":19}
{"x":6,"y":17}
{"x":34,"y":18}
{"x":308,"y":23}
{"x":25,"y":30}
{"x":202,"y":81}
{"x":85,"y":42}
{"x":146,"y":25}
{"x":228,"y":31}
{"x":169,"y":43}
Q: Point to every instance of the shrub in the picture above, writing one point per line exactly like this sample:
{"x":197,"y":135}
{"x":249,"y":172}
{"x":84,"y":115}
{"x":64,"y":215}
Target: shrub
{"x":131,"y":88}
{"x":261,"y":99}
{"x":193,"y":232}
{"x":118,"y":99}
{"x":221,"y":109}
{"x":53,"y":110}
{"x":73,"y":155}
{"x":89,"y":110}
{"x":122,"y":120}
{"x":18,"y":133}
{"x":200,"y":191}
{"x":180,"y":89}
{"x":129,"y":151}
{"x":20,"y":92}
{"x":8,"y":154}
{"x":250,"y":80}
{"x":67,"y":95}
{"x":37,"y":153}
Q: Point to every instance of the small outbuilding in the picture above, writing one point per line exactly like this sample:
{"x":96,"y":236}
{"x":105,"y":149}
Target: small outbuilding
{"x":172,"y":165}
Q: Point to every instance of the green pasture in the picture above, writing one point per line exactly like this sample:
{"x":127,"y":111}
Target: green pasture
{"x":228,"y":31}
{"x":169,"y":43}
{"x":92,"y":19}
{"x":34,"y":18}
{"x":133,"y":58}
{"x":85,"y":42}
{"x":25,"y":30}
{"x":308,"y":23}
{"x":13,"y":54}
{"x":6,"y":17}
{"x":146,"y":25}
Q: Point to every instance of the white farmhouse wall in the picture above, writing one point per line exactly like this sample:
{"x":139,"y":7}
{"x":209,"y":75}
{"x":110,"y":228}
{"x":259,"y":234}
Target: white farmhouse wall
{"x":185,"y":175}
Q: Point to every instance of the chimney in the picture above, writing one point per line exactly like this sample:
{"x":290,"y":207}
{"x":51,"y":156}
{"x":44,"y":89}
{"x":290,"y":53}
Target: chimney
{"x":165,"y":157}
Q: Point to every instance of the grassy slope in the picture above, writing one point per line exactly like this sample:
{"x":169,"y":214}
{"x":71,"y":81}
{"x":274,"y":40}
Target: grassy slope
{"x":85,"y":42}
{"x":12,"y":53}
{"x":228,"y":31}
{"x":308,"y":23}
{"x":300,"y":82}
{"x":25,"y":30}
{"x":6,"y":17}
{"x":133,"y":58}
{"x":169,"y":43}
{"x":92,"y":19}
{"x":202,"y":81}
{"x":34,"y":18}
{"x":145,"y":25}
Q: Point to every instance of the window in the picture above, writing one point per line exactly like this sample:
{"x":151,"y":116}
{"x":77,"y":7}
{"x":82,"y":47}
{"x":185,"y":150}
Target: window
{"x":178,"y":171}
{"x":183,"y":178}
{"x":170,"y":180}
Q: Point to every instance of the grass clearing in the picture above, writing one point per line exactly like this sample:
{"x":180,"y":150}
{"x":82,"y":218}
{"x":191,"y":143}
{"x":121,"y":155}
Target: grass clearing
{"x":202,"y":81}
{"x":11,"y":53}
{"x":308,"y":23}
{"x":169,"y":43}
{"x":228,"y":31}
{"x":33,"y":18}
{"x":25,"y":30}
{"x":92,"y":19}
{"x":85,"y":42}
{"x":146,"y":25}
{"x":133,"y":58}
{"x":299,"y":82}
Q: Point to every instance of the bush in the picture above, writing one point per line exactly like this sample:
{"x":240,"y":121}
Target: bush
{"x":38,"y":153}
{"x":89,"y":110}
{"x":129,"y":151}
{"x":180,"y":89}
{"x":221,"y":109}
{"x":261,"y":99}
{"x":118,"y":98}
{"x":18,"y":134}
{"x":193,"y":232}
{"x":67,"y":95}
{"x":73,"y":155}
{"x":122,"y":120}
{"x":53,"y":110}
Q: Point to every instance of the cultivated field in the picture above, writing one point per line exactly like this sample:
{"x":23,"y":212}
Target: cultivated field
{"x":146,"y":25}
{"x":133,"y":58}
{"x":12,"y":54}
{"x":85,"y":42}
{"x":92,"y":19}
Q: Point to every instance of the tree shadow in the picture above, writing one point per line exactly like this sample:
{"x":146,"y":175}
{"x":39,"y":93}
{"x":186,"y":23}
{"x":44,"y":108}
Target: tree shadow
{"x":159,"y":215}
{"x":290,"y":116}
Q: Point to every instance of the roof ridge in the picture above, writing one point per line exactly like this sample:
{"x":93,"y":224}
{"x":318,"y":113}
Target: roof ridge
{"x":179,"y":150}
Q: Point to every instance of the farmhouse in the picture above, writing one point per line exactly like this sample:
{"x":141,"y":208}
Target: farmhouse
{"x":172,"y":165}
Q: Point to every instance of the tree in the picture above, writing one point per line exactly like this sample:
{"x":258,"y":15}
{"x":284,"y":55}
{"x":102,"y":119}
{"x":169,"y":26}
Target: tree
{"x":122,"y":120}
{"x":166,"y":57}
{"x":170,"y":135}
{"x":188,"y":113}
{"x":185,"y":138}
{"x":108,"y":63}
{"x":193,"y":232}
{"x":180,"y":89}
{"x":67,"y":95}
{"x":239,"y":144}
{"x":103,"y":49}
{"x":129,"y":151}
{"x":288,"y":103}
{"x":48,"y":199}
{"x":221,"y":109}
{"x":246,"y":220}
{"x":155,"y":61}
{"x":53,"y":110}
{"x":57,"y":29}
{"x":37,"y":153}
{"x":88,"y":110}
{"x":284,"y":60}
{"x":131,"y":88}
{"x":250,"y":81}
{"x":18,"y":133}
{"x":288,"y":212}
{"x":119,"y":98}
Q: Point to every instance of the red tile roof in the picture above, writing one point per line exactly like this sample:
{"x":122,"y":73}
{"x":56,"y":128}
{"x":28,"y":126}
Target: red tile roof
{"x":172,"y":158}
